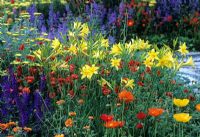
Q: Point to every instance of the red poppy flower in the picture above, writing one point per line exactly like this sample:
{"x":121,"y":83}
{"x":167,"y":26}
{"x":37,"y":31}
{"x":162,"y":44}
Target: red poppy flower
{"x":158,"y":73}
{"x":29,"y":79}
{"x":26,"y":90}
{"x":114,"y":124}
{"x":169,"y":94}
{"x":185,"y":91}
{"x":74,"y":76}
{"x":61,"y":80}
{"x":12,"y":1}
{"x":141,"y":115}
{"x":105,"y":90}
{"x":83,"y":87}
{"x":106,"y":118}
{"x":52,"y":95}
{"x":148,"y":70}
{"x":68,"y":80}
{"x":130,"y":23}
{"x":53,"y":81}
{"x":71,"y":93}
{"x":21,"y":47}
{"x":71,"y":68}
{"x":68,"y":58}
{"x":139,"y":126}
{"x":169,"y":18}
{"x":140,"y":83}
{"x":31,"y":57}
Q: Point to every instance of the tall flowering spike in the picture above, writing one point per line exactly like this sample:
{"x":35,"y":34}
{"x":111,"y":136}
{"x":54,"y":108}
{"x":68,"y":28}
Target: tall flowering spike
{"x":22,"y":103}
{"x":42,"y":83}
{"x":31,"y":10}
{"x":38,"y":105}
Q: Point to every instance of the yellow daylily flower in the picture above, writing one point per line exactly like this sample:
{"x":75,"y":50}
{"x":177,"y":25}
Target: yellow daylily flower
{"x":56,"y":44}
{"x":128,"y":82}
{"x":105,"y":43}
{"x":88,"y":71}
{"x":115,"y":63}
{"x":189,"y":62}
{"x":153,"y":54}
{"x":148,"y":62}
{"x":77,"y":25}
{"x":72,"y":49}
{"x":85,"y":30}
{"x":183,"y":49}
{"x":116,"y":49}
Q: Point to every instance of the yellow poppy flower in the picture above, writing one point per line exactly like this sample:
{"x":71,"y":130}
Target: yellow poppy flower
{"x":182,"y":117}
{"x":181,"y":102}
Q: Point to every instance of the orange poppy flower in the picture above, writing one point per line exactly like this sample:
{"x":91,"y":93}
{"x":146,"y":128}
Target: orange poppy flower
{"x":126,"y":96}
{"x":26,"y":90}
{"x":155,"y":111}
{"x":114,"y":124}
{"x":59,"y":135}
{"x":80,"y":101}
{"x":16,"y":129}
{"x":11,"y":123}
{"x":72,"y":114}
{"x":27,"y":129}
{"x":91,"y":118}
{"x":10,"y":136}
{"x":197,"y":107}
{"x":69,"y":122}
{"x":60,"y":102}
{"x":4,"y":126}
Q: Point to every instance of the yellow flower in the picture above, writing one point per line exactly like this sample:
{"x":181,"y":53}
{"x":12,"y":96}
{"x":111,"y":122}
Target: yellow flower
{"x":183,"y":49}
{"x":148,"y":62}
{"x":72,"y":49}
{"x":115,"y":63}
{"x":166,"y":60}
{"x":182,"y":117}
{"x":190,"y":62}
{"x":83,"y":46}
{"x":71,"y":34}
{"x":128,"y":82}
{"x":130,"y":47}
{"x":153,"y":54}
{"x":105,"y":43}
{"x":56,"y":44}
{"x":77,"y":25}
{"x":38,"y":53}
{"x":98,"y":54}
{"x":116,"y":49}
{"x":59,"y":135}
{"x":88,"y":71}
{"x":142,"y":45}
{"x":85,"y":30}
{"x":181,"y":102}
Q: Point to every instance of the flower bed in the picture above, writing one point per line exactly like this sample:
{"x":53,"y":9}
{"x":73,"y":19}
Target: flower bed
{"x":80,"y":83}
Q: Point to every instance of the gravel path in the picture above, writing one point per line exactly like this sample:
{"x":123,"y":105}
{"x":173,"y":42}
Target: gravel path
{"x":192,"y":74}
